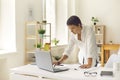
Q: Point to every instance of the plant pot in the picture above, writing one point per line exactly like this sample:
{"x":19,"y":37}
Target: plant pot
{"x":47,"y":46}
{"x":41,"y":36}
{"x":110,"y":42}
{"x":94,"y":23}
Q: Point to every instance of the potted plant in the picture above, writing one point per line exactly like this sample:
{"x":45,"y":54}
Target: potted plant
{"x":41,"y":32}
{"x":38,"y":46}
{"x":94,"y":20}
{"x":44,"y":21}
{"x":55,"y":41}
{"x":111,"y":42}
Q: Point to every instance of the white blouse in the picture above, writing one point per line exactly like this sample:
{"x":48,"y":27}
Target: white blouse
{"x":87,"y":46}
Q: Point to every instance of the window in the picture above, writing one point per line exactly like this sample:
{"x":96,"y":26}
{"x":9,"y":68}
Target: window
{"x":0,"y":25}
{"x":56,"y":14}
{"x":7,"y":25}
{"x":50,"y":16}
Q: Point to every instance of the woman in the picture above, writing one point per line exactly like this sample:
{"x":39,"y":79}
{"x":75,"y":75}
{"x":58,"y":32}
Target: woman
{"x":84,"y":38}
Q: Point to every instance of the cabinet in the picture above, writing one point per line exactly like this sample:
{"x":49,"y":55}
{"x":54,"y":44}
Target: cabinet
{"x":33,"y":38}
{"x":100,"y":36}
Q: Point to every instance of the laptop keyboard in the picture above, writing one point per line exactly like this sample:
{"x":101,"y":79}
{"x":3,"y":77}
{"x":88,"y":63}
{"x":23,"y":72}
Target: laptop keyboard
{"x":57,"y":69}
{"x":60,"y":69}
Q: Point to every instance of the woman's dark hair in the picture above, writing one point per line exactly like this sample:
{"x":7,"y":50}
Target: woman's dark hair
{"x":74,"y":20}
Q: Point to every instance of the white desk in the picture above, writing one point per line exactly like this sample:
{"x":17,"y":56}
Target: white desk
{"x":71,"y":74}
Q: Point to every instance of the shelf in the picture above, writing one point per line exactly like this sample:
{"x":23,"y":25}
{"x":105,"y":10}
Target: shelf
{"x":30,"y":51}
{"x":32,"y":22}
{"x":99,"y":34}
{"x":99,"y":52}
{"x":45,"y":23}
{"x":99,"y":31}
{"x":32,"y":38}
{"x":36,"y":22}
{"x":99,"y":43}
{"x":46,"y":35}
{"x":31,"y":35}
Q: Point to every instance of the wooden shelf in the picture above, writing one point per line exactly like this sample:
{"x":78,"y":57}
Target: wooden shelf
{"x":32,"y":22}
{"x":32,"y":37}
{"x":99,"y":31}
{"x":30,"y":51}
{"x":99,"y":34}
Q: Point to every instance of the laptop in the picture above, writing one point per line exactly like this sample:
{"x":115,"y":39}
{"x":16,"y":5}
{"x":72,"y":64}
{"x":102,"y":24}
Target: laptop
{"x":44,"y":61}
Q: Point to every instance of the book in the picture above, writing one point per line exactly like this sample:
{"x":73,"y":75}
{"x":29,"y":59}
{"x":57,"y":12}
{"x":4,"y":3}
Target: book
{"x":106,"y":73}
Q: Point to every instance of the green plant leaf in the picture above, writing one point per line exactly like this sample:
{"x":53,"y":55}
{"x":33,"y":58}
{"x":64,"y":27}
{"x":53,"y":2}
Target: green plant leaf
{"x":38,"y":45}
{"x":94,"y":19}
{"x":41,"y":31}
{"x":55,"y":41}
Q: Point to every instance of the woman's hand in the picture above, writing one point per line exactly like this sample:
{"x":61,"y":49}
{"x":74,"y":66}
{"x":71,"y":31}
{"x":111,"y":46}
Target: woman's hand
{"x":64,"y":57}
{"x":85,"y":66}
{"x":56,"y":63}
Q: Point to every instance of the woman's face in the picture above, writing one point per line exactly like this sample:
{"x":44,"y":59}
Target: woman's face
{"x":75,"y":29}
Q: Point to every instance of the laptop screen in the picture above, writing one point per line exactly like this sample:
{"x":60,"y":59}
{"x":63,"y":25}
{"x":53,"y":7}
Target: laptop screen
{"x":44,"y":60}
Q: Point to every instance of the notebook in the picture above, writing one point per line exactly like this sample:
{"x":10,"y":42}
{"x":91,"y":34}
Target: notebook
{"x":106,"y":73}
{"x":44,"y":61}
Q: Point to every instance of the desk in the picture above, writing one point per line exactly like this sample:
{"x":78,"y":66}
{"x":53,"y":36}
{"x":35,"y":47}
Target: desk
{"x":106,"y":50}
{"x":66,"y":75}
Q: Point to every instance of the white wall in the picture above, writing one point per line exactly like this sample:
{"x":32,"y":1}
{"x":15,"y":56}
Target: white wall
{"x":64,"y":9}
{"x":108,"y":13}
{"x":22,"y":7}
{"x":71,"y":7}
{"x":61,"y":18}
{"x":0,"y":24}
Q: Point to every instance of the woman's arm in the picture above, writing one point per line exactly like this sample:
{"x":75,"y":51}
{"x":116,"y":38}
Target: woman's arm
{"x":67,"y":51}
{"x":91,"y":48}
